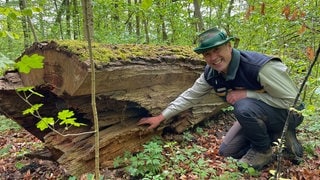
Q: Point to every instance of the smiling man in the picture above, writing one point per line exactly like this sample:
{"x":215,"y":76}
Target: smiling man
{"x":258,"y":88}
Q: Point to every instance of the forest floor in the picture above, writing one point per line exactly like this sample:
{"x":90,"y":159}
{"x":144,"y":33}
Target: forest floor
{"x":15,"y":143}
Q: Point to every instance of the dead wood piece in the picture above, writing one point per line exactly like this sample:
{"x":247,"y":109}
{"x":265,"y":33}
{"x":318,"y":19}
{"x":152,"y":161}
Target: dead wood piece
{"x":132,"y":81}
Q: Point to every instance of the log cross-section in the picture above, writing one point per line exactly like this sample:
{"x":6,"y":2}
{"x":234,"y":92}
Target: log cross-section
{"x":132,"y":81}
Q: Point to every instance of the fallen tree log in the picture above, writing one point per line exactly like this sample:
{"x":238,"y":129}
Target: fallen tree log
{"x":132,"y":81}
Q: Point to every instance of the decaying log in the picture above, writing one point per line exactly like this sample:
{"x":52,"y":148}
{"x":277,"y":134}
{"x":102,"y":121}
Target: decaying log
{"x":132,"y":81}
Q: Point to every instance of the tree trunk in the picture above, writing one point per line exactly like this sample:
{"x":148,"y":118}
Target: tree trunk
{"x":132,"y":81}
{"x":24,"y":21}
{"x":198,"y":15}
{"x":75,"y":19}
{"x":137,"y":20}
{"x":88,"y":20}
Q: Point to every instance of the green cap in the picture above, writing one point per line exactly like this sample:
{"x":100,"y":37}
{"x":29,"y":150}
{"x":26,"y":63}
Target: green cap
{"x":211,"y":38}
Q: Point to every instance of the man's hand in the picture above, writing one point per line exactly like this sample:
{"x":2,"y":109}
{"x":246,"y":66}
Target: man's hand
{"x":235,"y":95}
{"x":152,"y":121}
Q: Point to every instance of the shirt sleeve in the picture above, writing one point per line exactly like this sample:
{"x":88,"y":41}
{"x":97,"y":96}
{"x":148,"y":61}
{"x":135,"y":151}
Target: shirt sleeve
{"x":188,"y":98}
{"x":280,"y":91}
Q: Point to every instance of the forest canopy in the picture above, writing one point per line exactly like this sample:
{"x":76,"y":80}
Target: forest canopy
{"x":285,"y":28}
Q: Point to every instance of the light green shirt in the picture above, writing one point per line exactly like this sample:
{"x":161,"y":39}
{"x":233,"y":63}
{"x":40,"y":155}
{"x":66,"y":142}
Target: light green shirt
{"x":280,"y":91}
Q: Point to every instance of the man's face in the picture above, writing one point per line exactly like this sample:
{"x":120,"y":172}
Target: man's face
{"x":219,"y":57}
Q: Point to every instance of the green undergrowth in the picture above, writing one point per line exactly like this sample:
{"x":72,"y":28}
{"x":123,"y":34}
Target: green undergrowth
{"x":163,"y":159}
{"x":7,"y":124}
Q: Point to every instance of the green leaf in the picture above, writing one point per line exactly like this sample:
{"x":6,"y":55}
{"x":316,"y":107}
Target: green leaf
{"x":146,"y":4}
{"x":5,"y":150}
{"x":29,"y":62}
{"x":45,"y":122}
{"x":27,"y":12}
{"x":65,"y":114}
{"x":32,"y":109}
{"x":68,"y":121}
{"x":12,"y":15}
{"x":2,"y":34}
{"x":66,"y":117}
{"x":19,"y":165}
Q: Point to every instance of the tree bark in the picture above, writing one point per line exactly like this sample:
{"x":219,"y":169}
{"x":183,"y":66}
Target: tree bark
{"x":24,"y":21}
{"x":132,"y":81}
{"x":197,"y":14}
{"x":89,"y":19}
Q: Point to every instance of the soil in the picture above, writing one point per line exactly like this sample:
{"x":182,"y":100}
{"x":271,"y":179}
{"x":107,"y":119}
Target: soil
{"x":15,"y":144}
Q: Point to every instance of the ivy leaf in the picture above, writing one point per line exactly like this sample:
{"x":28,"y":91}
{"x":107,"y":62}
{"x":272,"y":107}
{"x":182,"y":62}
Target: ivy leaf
{"x":45,"y":122}
{"x":30,"y":62}
{"x":32,"y":109}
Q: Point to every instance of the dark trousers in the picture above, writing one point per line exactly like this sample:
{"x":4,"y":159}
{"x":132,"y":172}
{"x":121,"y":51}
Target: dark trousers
{"x":257,"y":122}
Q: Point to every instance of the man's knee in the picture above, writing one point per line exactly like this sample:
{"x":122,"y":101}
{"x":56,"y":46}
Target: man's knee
{"x":226,"y":151}
{"x":245,"y":108}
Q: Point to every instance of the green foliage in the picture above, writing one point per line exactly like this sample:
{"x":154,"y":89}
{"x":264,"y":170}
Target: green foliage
{"x":230,"y":164}
{"x":248,"y":169}
{"x":188,"y":136}
{"x":268,"y":30}
{"x":29,"y":62}
{"x":146,"y":4}
{"x":45,"y":122}
{"x":19,"y":165}
{"x":32,"y":110}
{"x":66,"y":117}
{"x":166,"y":161}
{"x":5,"y":150}
{"x":148,"y":162}
{"x":7,"y":124}
{"x":5,"y":63}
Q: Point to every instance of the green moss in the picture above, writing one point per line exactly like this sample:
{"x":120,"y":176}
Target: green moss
{"x":106,"y":52}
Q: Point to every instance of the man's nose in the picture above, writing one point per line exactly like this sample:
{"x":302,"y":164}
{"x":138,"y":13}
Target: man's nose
{"x":212,"y":57}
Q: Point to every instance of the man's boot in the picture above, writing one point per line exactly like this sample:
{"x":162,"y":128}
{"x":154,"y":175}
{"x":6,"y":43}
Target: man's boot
{"x":257,"y":159}
{"x":292,"y":145}
{"x":293,"y":148}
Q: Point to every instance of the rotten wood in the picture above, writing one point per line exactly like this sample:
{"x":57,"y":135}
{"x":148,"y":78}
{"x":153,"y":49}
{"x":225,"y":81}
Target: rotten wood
{"x":132,"y":81}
